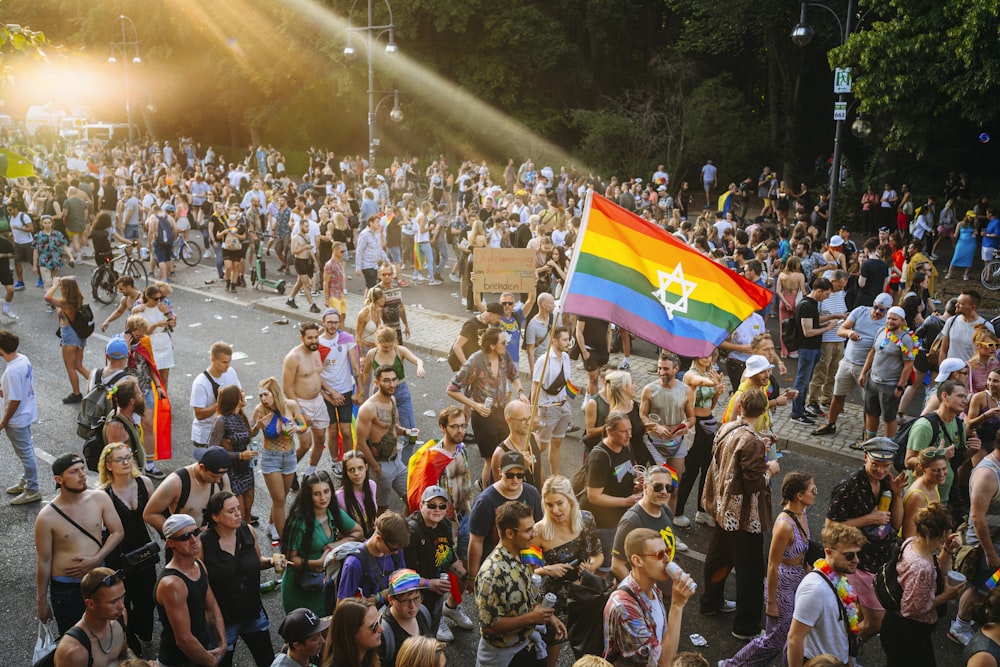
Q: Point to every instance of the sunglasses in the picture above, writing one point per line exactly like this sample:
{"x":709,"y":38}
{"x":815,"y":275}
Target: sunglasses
{"x":662,"y":554}
{"x":186,"y":536}
{"x":849,"y":555}
{"x":437,"y":506}
{"x":512,"y":475}
{"x":881,"y":310}
{"x":660,"y":487}
{"x":109,"y":581}
{"x":375,"y":627}
{"x":991,"y":346}
{"x":506,"y":303}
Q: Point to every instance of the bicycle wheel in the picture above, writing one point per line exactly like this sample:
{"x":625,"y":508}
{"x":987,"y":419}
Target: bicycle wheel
{"x":102,"y":284}
{"x":190,"y":253}
{"x":139,"y":274}
{"x":991,"y":275}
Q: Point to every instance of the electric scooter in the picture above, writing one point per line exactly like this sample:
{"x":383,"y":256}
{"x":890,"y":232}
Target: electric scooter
{"x":258,"y":271}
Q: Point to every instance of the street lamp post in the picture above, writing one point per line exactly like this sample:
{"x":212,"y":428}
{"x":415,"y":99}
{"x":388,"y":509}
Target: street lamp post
{"x":801,"y":35}
{"x":126,"y":46}
{"x":372,"y":33}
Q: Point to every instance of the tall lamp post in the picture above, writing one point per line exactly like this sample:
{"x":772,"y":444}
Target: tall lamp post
{"x":127,"y":47}
{"x":372,"y":33}
{"x":801,"y":35}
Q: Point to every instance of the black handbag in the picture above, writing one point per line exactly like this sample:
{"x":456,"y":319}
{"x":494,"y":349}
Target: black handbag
{"x":310,"y":581}
{"x":815,"y":550}
{"x":585,"y":614}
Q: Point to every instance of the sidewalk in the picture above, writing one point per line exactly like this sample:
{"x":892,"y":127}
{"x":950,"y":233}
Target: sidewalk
{"x":433,"y":334}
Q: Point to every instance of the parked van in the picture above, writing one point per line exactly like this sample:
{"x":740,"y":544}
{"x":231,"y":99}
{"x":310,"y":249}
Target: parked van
{"x":109,"y":133}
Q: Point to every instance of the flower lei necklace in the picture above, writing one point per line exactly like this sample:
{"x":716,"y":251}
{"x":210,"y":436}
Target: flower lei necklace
{"x":844,"y":592}
{"x":893,"y":338}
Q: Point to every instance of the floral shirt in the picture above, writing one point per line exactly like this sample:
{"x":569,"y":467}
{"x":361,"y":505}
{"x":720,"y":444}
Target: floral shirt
{"x":852,"y":498}
{"x":479,"y":382}
{"x":503,"y":589}
{"x":334,"y":269}
{"x":630,"y":634}
{"x":50,"y":249}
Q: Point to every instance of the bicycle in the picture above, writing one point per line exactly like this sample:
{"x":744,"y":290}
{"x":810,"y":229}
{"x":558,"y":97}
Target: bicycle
{"x":102,"y":281}
{"x":188,"y":251}
{"x":990,"y":277}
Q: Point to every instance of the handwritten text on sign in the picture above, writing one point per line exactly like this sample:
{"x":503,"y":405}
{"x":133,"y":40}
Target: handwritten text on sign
{"x":504,"y":270}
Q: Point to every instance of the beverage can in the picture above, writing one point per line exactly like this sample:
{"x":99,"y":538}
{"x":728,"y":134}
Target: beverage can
{"x":548,"y":601}
{"x":488,"y":403}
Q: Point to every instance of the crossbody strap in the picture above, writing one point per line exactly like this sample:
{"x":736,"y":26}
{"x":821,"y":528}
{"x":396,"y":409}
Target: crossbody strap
{"x":76,"y":525}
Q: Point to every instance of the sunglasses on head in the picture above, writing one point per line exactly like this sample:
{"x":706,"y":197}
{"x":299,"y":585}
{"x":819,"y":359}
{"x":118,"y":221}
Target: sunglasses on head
{"x":186,"y":536}
{"x":513,"y":475}
{"x":109,"y":581}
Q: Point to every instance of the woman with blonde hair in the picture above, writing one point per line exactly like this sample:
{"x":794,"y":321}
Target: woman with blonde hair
{"x":984,"y":361}
{"x":129,"y":491}
{"x":69,"y":304}
{"x":565,"y":535}
{"x":930,"y":473}
{"x":420,"y":651}
{"x":279,"y":418}
{"x":621,"y":393}
{"x":369,"y":320}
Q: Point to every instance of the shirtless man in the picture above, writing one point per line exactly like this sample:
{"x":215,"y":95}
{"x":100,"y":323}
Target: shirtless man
{"x":377,"y":430}
{"x":206,"y":477}
{"x":68,"y":541}
{"x":126,"y":287}
{"x":342,"y":371}
{"x":104,"y":596}
{"x":302,"y":381}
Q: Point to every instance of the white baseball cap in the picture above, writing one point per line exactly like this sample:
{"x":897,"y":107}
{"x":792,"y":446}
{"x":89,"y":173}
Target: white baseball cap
{"x":947,"y":367}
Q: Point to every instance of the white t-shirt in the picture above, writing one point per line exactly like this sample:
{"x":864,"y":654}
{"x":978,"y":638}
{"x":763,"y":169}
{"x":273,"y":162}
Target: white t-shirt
{"x":337,"y":362}
{"x":959,"y":334}
{"x":551,"y":374}
{"x":816,"y":606}
{"x":202,"y":396}
{"x":18,"y":384}
{"x":744,"y":334}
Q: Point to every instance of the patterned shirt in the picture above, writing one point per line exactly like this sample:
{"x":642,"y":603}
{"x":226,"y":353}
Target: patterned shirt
{"x":503,"y":589}
{"x":852,"y":498}
{"x":630,"y":634}
{"x":479,"y":382}
{"x":282,"y":228}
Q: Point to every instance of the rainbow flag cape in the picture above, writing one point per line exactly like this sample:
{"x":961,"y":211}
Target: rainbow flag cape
{"x":630,"y":272}
{"x":419,"y":260}
{"x":991,"y":583}
{"x":571,"y":389}
{"x":354,"y":433}
{"x":424,"y":469}
{"x":161,"y":407}
{"x":532,"y":557}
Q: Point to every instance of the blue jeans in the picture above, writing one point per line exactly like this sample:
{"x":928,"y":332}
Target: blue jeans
{"x":807,"y":363}
{"x":441,"y":253}
{"x":20,"y":439}
{"x":425,"y":250}
{"x":66,"y":601}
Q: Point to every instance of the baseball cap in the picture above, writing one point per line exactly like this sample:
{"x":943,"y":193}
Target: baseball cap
{"x":170,"y":208}
{"x":898,"y":312}
{"x":883,"y":300}
{"x":214,"y":458}
{"x":511,"y":460}
{"x":880,"y":449}
{"x":117,"y":348}
{"x":176,"y":523}
{"x":405,"y":580}
{"x":757,"y":364}
{"x":836,"y":240}
{"x":63,"y":463}
{"x":947,"y":367}
{"x":301,"y":624}
{"x":434,"y":492}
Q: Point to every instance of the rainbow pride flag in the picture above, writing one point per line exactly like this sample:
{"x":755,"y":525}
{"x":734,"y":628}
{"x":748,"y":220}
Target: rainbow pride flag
{"x":571,"y":389}
{"x":532,"y":557}
{"x":630,"y":272}
{"x":991,"y":583}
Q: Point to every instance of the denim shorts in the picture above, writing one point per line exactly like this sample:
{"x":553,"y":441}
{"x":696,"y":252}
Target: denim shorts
{"x":395,"y":254}
{"x":273,"y":461}
{"x":69,"y":337}
{"x":245,"y":628}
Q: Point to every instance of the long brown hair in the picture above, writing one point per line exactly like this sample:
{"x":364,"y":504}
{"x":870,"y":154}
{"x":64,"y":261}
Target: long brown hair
{"x":72,"y":297}
{"x":341,"y":639}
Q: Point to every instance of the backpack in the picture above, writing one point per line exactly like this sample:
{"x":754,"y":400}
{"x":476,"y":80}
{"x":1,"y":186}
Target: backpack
{"x":333,"y":566}
{"x":49,"y":660}
{"x":902,"y":437}
{"x":888,"y":590}
{"x":389,"y":637}
{"x":94,"y":406}
{"x":83,"y":321}
{"x":790,"y":334}
{"x":164,"y":231}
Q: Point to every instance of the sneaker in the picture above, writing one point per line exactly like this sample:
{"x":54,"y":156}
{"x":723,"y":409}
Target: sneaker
{"x":704,"y":518}
{"x":434,"y":282}
{"x":444,"y":633}
{"x":573,"y":428}
{"x":825,"y":429}
{"x":403,"y":283}
{"x":682,"y":521}
{"x":805,"y":420}
{"x":154,"y":473}
{"x":624,"y":365}
{"x":28,"y":497}
{"x":272,"y":532}
{"x":314,"y":308}
{"x":454,"y":278}
{"x":814,"y":410}
{"x":18,"y":286}
{"x":16,"y":489}
{"x":728,"y":607}
{"x":680,"y":546}
{"x":746,"y":637}
{"x":457,"y":616}
{"x":960,"y":633}
{"x":40,"y":283}
{"x":291,"y":304}
{"x":8,"y":313}
{"x":73,"y":398}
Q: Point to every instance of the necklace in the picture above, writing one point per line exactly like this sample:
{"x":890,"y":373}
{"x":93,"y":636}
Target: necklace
{"x":127,"y":495}
{"x":844,"y":592}
{"x":111,"y":640}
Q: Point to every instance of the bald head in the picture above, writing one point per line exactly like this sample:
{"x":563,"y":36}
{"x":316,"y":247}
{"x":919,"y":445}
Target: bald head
{"x":546,"y":301}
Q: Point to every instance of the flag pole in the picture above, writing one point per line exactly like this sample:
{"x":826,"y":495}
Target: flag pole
{"x":576,"y":254}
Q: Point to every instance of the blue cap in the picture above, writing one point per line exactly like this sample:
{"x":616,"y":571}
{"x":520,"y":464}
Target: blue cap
{"x":117,"y":348}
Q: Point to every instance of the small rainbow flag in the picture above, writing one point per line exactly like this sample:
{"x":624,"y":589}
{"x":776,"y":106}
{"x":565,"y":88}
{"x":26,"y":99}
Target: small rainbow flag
{"x":532,"y":557}
{"x":673,"y":476}
{"x":632,"y":273}
{"x":571,"y":389}
{"x":990,"y":583}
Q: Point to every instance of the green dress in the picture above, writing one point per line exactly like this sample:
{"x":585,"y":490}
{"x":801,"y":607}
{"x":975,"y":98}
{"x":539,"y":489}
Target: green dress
{"x":293,"y":597}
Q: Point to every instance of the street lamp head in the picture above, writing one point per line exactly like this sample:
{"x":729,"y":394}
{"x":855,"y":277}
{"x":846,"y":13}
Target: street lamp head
{"x":137,"y":60}
{"x":861,"y":128}
{"x":802,"y":34}
{"x":350,"y":53}
{"x":391,"y":47}
{"x":396,"y":115}
{"x":112,"y":60}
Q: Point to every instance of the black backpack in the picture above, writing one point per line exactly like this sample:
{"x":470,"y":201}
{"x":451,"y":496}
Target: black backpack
{"x":790,"y":334}
{"x":888,"y":590}
{"x":83,"y":321}
{"x":164,"y":231}
{"x":902,"y":437}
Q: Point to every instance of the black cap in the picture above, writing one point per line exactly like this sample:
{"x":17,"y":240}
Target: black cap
{"x":511,"y":460}
{"x":63,"y":463}
{"x":215,"y":459}
{"x":301,"y":624}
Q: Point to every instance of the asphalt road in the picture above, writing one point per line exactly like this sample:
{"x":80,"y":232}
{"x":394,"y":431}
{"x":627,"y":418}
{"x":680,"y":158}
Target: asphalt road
{"x":206,"y":315}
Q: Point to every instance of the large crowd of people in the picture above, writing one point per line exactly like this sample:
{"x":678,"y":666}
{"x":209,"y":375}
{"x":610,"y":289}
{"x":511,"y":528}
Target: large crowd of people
{"x":510,"y":545}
